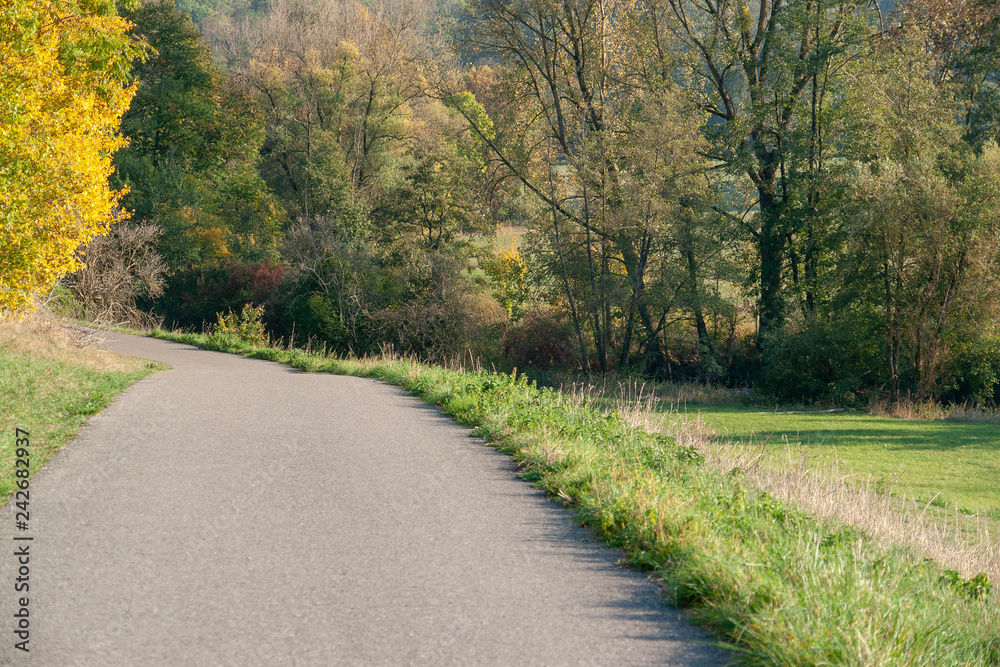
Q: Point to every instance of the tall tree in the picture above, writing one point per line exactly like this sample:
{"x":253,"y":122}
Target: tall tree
{"x":607,"y":148}
{"x":191,"y":163}
{"x":930,"y":232}
{"x":757,"y":66}
{"x":334,"y":79}
{"x":434,"y":199}
{"x":965,"y":38}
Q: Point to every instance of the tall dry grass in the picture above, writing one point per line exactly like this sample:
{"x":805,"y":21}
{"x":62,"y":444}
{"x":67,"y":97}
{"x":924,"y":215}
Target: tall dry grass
{"x":42,"y":335}
{"x":927,"y":410}
{"x":667,"y":393}
{"x":833,"y":491}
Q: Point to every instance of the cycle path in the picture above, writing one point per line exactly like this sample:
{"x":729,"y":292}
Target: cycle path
{"x":232,"y":511}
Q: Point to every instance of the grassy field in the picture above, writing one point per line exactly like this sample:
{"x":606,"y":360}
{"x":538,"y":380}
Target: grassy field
{"x":50,"y":383}
{"x":778,"y":585}
{"x":948,"y":463}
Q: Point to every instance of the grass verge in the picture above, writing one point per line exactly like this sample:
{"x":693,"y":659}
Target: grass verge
{"x":781,"y":587}
{"x":51,"y":380}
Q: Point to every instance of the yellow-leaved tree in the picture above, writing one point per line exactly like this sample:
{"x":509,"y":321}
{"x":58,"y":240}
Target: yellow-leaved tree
{"x":64,"y":85}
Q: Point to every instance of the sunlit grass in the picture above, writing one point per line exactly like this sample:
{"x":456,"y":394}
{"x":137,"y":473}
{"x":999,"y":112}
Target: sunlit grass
{"x":948,"y":463}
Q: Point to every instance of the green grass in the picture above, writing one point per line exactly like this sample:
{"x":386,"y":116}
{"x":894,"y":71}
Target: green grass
{"x":954,"y":463}
{"x":778,"y":586}
{"x":51,"y":398}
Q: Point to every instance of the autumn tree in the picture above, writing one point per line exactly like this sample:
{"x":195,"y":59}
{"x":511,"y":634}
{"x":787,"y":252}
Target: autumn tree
{"x":434,"y":200}
{"x":191,"y":163}
{"x":334,"y":80}
{"x":63,"y":89}
{"x":965,"y":39}
{"x":377,"y":178}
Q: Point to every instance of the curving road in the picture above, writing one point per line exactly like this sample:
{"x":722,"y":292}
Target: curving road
{"x":236,"y":512}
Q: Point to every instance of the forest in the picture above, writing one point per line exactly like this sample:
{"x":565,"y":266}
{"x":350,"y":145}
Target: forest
{"x":801,"y":197}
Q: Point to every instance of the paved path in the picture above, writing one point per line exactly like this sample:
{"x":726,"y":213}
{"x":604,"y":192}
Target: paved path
{"x":236,"y":512}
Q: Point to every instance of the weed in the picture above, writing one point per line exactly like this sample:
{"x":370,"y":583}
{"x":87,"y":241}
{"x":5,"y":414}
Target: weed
{"x":974,"y":588}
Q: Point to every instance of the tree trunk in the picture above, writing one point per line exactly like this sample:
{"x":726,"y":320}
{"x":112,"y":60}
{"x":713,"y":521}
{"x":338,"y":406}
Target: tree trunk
{"x":585,"y":358}
{"x":596,"y":294}
{"x":771,"y":246}
{"x":704,"y":341}
{"x":892,"y":337}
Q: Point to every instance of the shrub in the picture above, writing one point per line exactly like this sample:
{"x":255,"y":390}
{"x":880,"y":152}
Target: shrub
{"x":327,"y":320}
{"x":973,"y":372}
{"x":121,"y":267}
{"x":440,"y":330}
{"x":194,"y":297}
{"x":509,"y":274}
{"x":247,"y":327}
{"x":825,"y":360}
{"x":62,"y":303}
{"x":543,"y":339}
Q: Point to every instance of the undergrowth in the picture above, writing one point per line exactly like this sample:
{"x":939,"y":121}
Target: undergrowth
{"x":781,"y":587}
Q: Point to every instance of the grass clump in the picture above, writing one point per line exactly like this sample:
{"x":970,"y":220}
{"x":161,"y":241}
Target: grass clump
{"x":52,"y":378}
{"x":781,"y":587}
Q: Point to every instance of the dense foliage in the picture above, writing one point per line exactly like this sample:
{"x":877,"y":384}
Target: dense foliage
{"x":798,"y":195}
{"x":63,"y":90}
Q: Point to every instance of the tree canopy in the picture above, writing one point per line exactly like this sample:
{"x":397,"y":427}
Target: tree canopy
{"x":64,"y":85}
{"x":800,"y":195}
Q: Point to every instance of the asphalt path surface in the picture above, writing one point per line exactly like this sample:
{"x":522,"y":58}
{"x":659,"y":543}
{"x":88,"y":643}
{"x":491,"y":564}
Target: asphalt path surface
{"x":231,"y":511}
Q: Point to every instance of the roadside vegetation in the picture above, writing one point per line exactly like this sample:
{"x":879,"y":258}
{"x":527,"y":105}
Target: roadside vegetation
{"x":780,"y":585}
{"x":762,"y":204}
{"x":52,"y":378}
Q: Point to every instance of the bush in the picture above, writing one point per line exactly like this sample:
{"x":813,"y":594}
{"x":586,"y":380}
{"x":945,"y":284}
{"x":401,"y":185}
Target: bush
{"x":825,"y":360}
{"x":121,"y":267}
{"x":509,"y":274}
{"x":973,"y":372}
{"x":194,"y":297}
{"x":63,"y":303}
{"x":544,"y":339}
{"x":326,"y":320}
{"x":440,"y":330}
{"x":247,"y":327}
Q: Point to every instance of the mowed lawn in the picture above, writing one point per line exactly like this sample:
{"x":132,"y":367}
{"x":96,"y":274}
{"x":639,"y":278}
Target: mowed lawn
{"x":954,"y":463}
